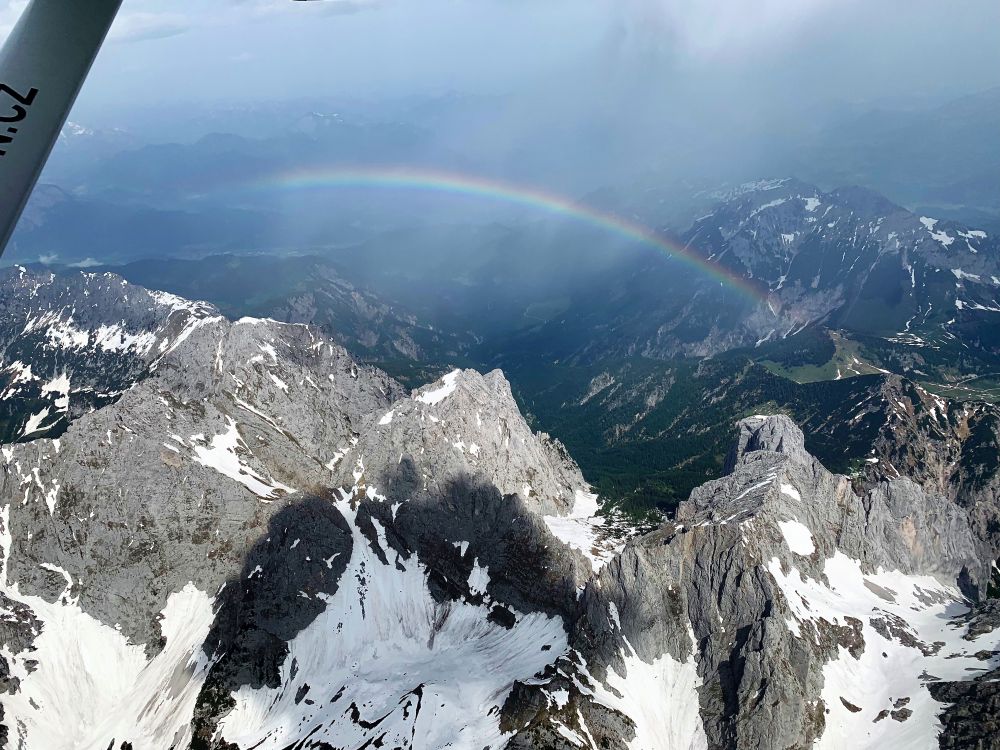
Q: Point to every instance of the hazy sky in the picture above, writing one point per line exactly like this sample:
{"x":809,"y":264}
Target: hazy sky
{"x":180,"y":50}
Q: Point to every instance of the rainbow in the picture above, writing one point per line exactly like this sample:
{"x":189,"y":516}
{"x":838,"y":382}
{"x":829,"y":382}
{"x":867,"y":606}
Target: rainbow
{"x":405,"y":178}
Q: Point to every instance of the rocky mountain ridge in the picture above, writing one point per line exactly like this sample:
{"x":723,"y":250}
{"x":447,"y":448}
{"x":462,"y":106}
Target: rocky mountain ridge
{"x":71,"y":343}
{"x":162,"y":553}
{"x":780,"y":609}
{"x":261,"y":543}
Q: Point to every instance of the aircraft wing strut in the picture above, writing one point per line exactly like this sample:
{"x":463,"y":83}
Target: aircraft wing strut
{"x":42,"y":66}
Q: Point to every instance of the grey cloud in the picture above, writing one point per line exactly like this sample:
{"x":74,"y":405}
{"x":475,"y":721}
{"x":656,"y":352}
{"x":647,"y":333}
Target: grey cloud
{"x":141,"y":26}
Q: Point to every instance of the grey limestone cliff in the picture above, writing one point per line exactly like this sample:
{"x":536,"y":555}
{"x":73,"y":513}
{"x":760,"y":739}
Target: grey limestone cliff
{"x":780,"y":609}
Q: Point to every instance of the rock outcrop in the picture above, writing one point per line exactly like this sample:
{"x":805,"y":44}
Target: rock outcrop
{"x":780,"y":609}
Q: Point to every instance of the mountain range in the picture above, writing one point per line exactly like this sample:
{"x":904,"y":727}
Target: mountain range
{"x":150,"y":187}
{"x":849,"y":290}
{"x":259,"y":542}
{"x":612,"y":504}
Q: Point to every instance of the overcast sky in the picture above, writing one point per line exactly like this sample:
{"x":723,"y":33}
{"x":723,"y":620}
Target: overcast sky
{"x":181,"y":50}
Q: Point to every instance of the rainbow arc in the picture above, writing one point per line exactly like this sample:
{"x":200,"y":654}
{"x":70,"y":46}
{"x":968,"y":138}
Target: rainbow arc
{"x":407,"y":178}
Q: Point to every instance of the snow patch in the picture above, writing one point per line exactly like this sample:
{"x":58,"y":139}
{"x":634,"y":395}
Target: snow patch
{"x":798,"y":537}
{"x":225,"y":455}
{"x":59,"y":385}
{"x":790,"y":491}
{"x":437,"y":395}
{"x":278,"y":382}
{"x":100,"y":686}
{"x":770,"y":204}
{"x":581,"y":529}
{"x":960,"y":274}
{"x":35,"y":422}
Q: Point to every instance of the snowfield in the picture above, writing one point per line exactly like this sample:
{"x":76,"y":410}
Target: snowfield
{"x":888,"y":675}
{"x":386,"y":662}
{"x":99,"y":685}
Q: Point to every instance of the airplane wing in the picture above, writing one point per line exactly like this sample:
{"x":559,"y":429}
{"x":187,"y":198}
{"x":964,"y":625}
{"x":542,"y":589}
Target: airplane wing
{"x":42,"y":67}
{"x":43,"y":64}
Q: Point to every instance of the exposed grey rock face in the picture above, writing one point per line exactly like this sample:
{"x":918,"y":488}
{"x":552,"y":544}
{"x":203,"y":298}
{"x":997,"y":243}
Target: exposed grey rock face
{"x":895,"y":428}
{"x":777,"y":434}
{"x":175,"y":481}
{"x":468,"y":423}
{"x":73,"y":343}
{"x":261,"y":544}
{"x":950,"y":448}
{"x":776,"y":612}
{"x":180,"y":542}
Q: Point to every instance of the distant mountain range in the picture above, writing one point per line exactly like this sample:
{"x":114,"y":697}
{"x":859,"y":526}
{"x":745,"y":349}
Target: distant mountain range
{"x":190,"y":186}
{"x":847,"y":284}
{"x":920,"y":291}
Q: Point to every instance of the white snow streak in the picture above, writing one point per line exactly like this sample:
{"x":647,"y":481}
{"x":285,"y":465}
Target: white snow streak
{"x":436,"y":395}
